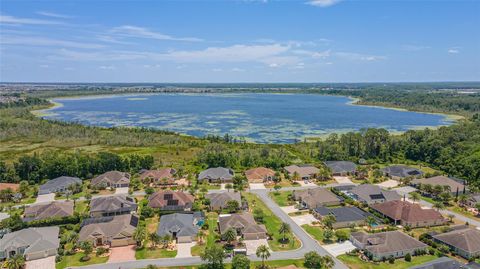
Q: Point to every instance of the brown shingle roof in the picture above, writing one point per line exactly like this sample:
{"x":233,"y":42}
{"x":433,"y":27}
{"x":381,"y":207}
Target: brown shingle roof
{"x":259,"y":173}
{"x":442,"y":181}
{"x":316,"y":197}
{"x":158,"y":175}
{"x":51,"y":210}
{"x":123,"y":224}
{"x":406,"y":211}
{"x":387,"y":242}
{"x":112,"y":177}
{"x":467,"y":239}
{"x":302,"y":170}
{"x":243,"y":221}
{"x":158,"y":199}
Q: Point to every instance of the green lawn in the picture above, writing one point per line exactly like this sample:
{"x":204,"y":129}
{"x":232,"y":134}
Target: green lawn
{"x":74,"y":260}
{"x":353,"y":262}
{"x":210,"y":240}
{"x":272,"y":264}
{"x":272,"y":223}
{"x":317,"y":233}
{"x":281,"y":198}
{"x":147,"y":253}
{"x":81,"y":207}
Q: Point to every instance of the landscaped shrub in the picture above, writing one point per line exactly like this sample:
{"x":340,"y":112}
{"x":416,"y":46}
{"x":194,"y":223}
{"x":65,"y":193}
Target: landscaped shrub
{"x":408,"y":257}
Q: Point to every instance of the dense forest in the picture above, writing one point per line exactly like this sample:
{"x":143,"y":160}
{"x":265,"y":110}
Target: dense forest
{"x":454,"y":150}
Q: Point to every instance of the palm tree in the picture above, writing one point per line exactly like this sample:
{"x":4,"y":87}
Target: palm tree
{"x":154,"y":239}
{"x":415,"y":196}
{"x":284,"y":229}
{"x":263,"y":253}
{"x":139,"y":235}
{"x":438,"y":205}
{"x":230,"y":236}
{"x":370,"y":221}
{"x":15,"y":262}
{"x":328,"y":262}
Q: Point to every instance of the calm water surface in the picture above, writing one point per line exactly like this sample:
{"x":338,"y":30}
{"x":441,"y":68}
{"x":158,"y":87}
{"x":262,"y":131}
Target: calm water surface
{"x":264,"y":118}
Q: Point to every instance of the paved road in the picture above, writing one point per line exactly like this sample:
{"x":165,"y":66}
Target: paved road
{"x":460,"y":217}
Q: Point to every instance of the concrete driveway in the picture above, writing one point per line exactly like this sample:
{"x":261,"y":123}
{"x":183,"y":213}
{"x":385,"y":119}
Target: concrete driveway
{"x":343,"y":180}
{"x":340,"y":248}
{"x":45,"y":263}
{"x":122,"y":254}
{"x":404,"y":190}
{"x":252,"y":245}
{"x":289,"y":209}
{"x":184,"y":250}
{"x":304,"y":219}
{"x":388,"y":184}
{"x":308,"y":184}
{"x":45,"y":198}
{"x":257,"y":186}
{"x":121,"y":190}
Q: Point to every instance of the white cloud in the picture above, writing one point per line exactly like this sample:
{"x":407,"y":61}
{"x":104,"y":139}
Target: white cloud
{"x":66,"y":54}
{"x":41,"y":41}
{"x":236,"y":69}
{"x":44,"y":66}
{"x":323,"y":3}
{"x":135,"y":31}
{"x":453,"y":51}
{"x":53,"y":15}
{"x":5,"y":19}
{"x":314,"y":54}
{"x":359,"y":57}
{"x":410,"y":47}
{"x":107,"y":67}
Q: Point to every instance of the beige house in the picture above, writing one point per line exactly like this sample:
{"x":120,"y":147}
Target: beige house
{"x":244,"y":224}
{"x":112,"y":179}
{"x":304,"y":171}
{"x":111,"y":231}
{"x":31,"y":243}
{"x":317,"y":197}
{"x":464,"y":241}
{"x":259,"y":175}
{"x":57,"y":209}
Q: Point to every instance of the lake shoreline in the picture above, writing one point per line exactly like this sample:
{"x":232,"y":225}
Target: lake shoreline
{"x":448,"y":119}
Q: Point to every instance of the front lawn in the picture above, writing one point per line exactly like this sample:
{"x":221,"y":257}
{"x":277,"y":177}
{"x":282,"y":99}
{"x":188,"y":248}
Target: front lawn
{"x":282,"y":198}
{"x":354,"y":262}
{"x":74,"y":260}
{"x":272,"y":223}
{"x":317,"y":233}
{"x":81,"y":207}
{"x":147,"y":253}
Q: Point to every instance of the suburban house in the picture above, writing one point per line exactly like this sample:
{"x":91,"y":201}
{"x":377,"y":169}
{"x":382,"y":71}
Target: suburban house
{"x":244,"y":224}
{"x":112,"y":205}
{"x":341,"y":168}
{"x":442,"y":263}
{"x":59,"y":184}
{"x":164,"y":176}
{"x":31,"y":243}
{"x":304,"y":171}
{"x":182,"y":227}
{"x":57,"y":209}
{"x":455,"y":186}
{"x":398,"y":172}
{"x":345,"y":216}
{"x":380,"y":246}
{"x":317,"y":197}
{"x":217,"y":175}
{"x":13,"y":187}
{"x":259,"y":175}
{"x":171,"y":200}
{"x":111,"y":231}
{"x":464,"y":241}
{"x":409,"y":214}
{"x":372,"y":194}
{"x":473,"y":200}
{"x":112,"y":179}
{"x":219,"y":200}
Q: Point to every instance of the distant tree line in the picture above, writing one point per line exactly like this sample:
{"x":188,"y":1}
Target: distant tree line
{"x":51,"y":164}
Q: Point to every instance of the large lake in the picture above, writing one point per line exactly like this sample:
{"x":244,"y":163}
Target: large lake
{"x":263,"y":118}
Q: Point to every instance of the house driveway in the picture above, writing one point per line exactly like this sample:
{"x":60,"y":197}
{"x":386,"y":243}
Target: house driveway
{"x":308,"y":184}
{"x":257,"y":186}
{"x":388,"y":184}
{"x":123,"y":190}
{"x":304,"y":219}
{"x":289,"y":209}
{"x":340,"y":248}
{"x":45,"y":263}
{"x":184,"y":250}
{"x":405,"y":190}
{"x":252,"y":245}
{"x":45,"y":198}
{"x":122,"y":254}
{"x":343,"y":180}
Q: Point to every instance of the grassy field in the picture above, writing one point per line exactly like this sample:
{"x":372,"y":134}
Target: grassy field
{"x":81,"y":207}
{"x":355,"y":263}
{"x":210,"y":236}
{"x":272,"y":223}
{"x":74,"y":260}
{"x":157,"y":253}
{"x":317,"y":233}
{"x":281,"y":198}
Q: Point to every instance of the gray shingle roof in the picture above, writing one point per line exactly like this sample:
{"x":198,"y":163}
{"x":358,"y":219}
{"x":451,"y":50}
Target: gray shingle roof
{"x":442,"y":181}
{"x":341,"y":166}
{"x":34,"y":239}
{"x":344,"y":214}
{"x":57,"y":209}
{"x":369,"y":193}
{"x":316,"y":197}
{"x":112,"y":177}
{"x":220,"y":199}
{"x":467,"y":239}
{"x":243,"y":221}
{"x":216,"y":173}
{"x":57,"y":184}
{"x":402,"y":171}
{"x":109,"y":227}
{"x":441,"y":263}
{"x":387,"y":242}
{"x":181,"y":224}
{"x":112,"y":203}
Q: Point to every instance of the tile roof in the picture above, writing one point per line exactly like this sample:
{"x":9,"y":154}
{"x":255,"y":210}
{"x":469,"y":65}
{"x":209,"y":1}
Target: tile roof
{"x":55,"y":209}
{"x":157,"y":175}
{"x":387,"y":242}
{"x":467,"y":239}
{"x":406,"y":211}
{"x":341,"y":166}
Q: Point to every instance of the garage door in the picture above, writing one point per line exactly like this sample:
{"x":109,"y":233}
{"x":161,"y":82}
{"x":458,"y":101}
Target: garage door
{"x":120,"y":243}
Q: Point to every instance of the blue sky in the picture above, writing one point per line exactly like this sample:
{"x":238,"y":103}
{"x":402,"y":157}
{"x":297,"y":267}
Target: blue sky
{"x":239,"y":41}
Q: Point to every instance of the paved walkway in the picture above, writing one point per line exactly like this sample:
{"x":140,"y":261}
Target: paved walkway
{"x":338,"y":249}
